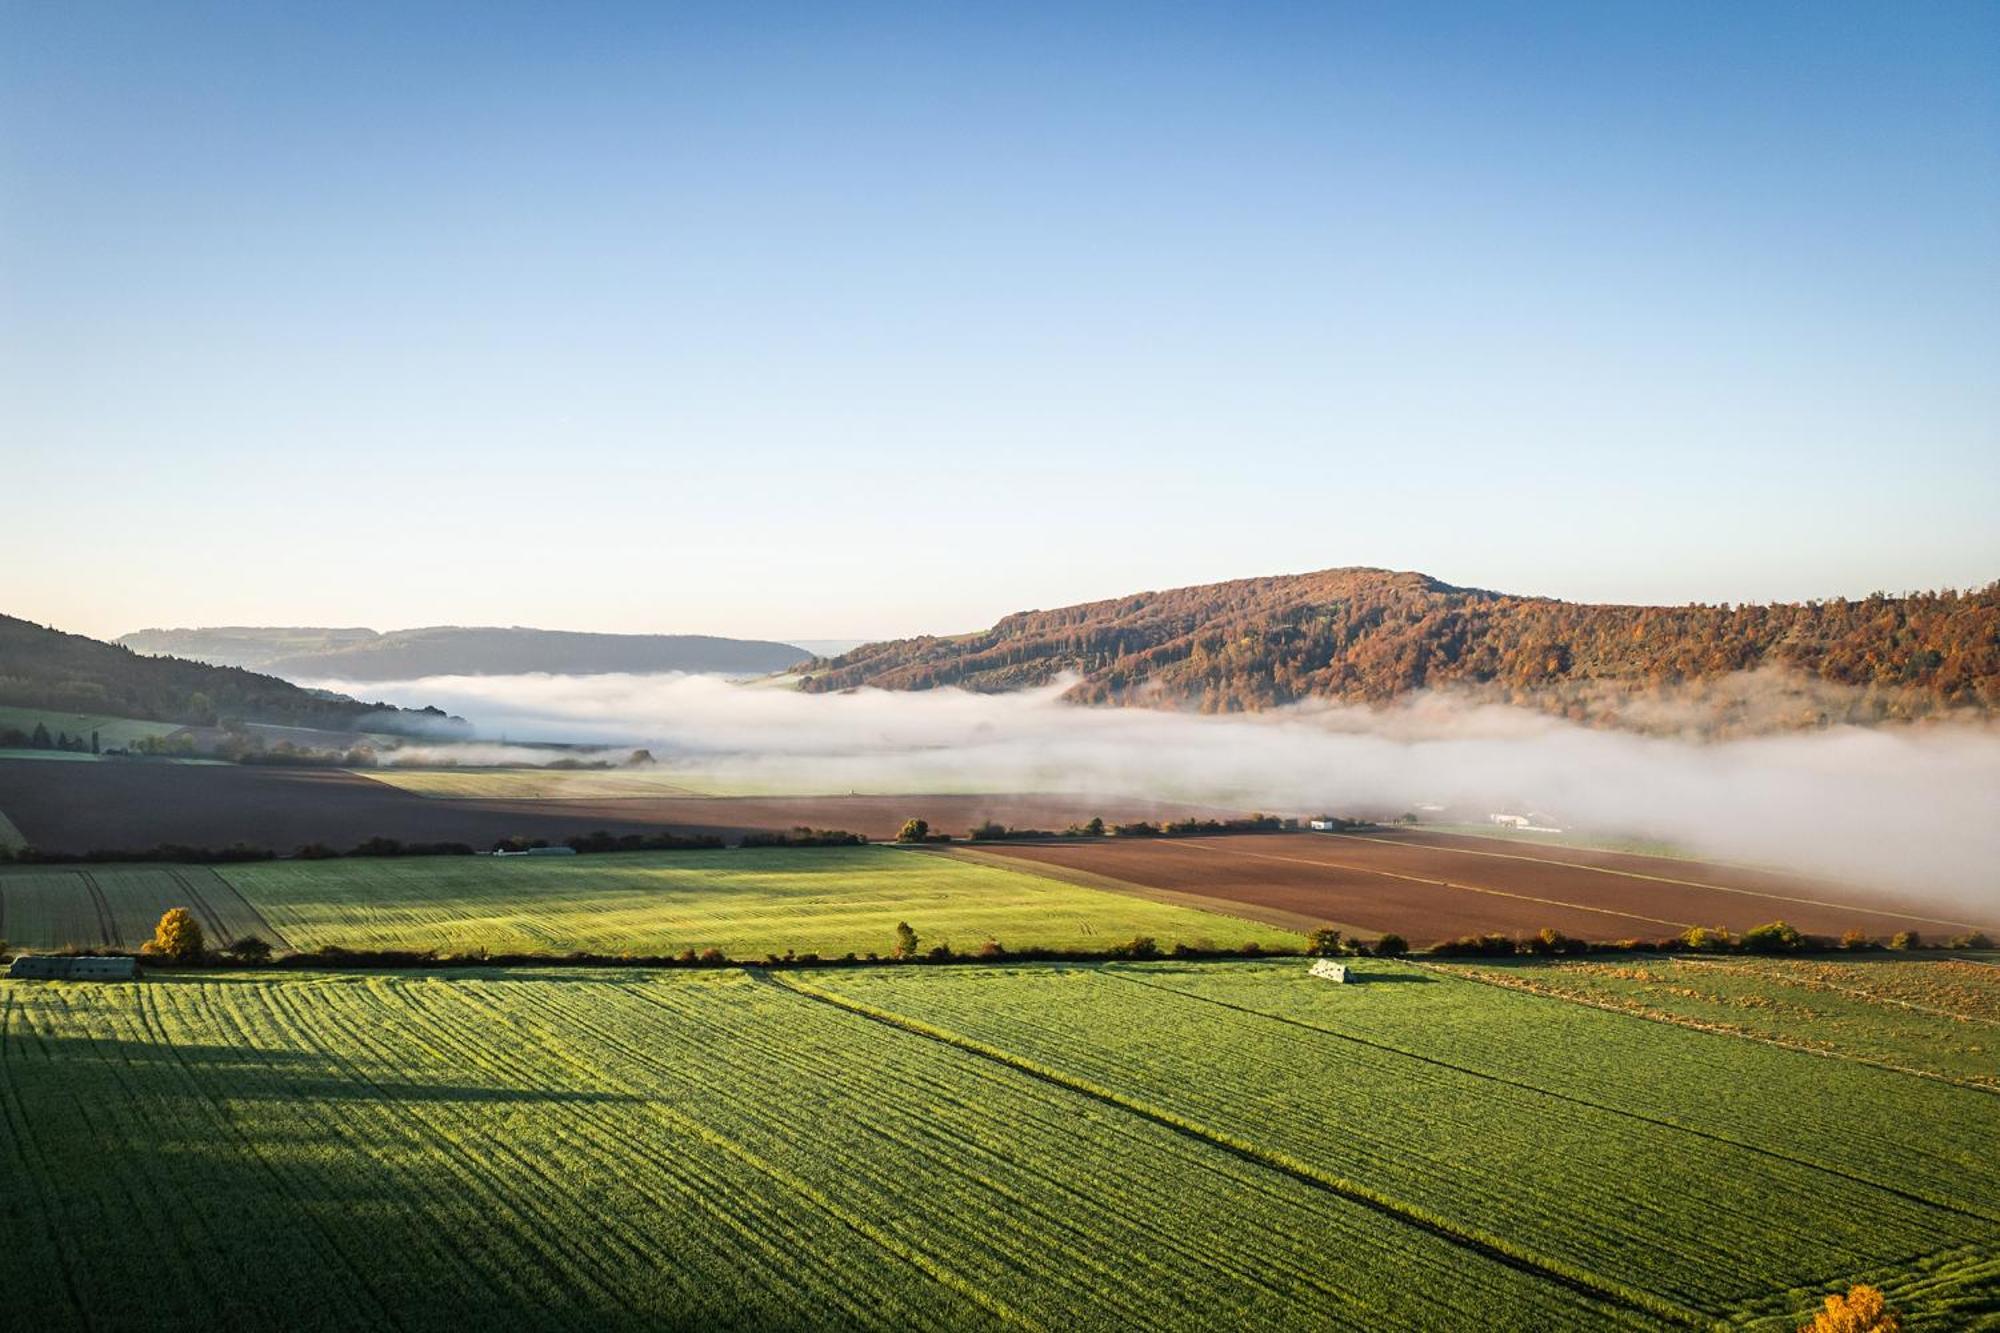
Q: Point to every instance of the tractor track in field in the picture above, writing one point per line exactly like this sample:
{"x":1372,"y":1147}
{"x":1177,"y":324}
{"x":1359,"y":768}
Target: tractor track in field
{"x":107,"y":923}
{"x":1910,"y":1196}
{"x":1609,"y":1291}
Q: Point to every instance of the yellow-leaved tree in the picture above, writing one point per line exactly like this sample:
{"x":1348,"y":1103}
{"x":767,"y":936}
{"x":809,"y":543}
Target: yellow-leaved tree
{"x":178,"y":936}
{"x":1861,"y":1310}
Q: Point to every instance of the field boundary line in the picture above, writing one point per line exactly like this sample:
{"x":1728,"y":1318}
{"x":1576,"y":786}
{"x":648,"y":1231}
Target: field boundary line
{"x":1496,"y":1248}
{"x":1442,"y":884}
{"x":1712,"y":1029}
{"x":1090,"y":879}
{"x":1669,"y":879}
{"x":1504,"y":1081}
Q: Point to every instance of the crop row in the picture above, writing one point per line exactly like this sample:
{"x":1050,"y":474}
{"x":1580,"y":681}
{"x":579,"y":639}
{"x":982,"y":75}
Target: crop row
{"x":1938,"y":1017}
{"x":1635,"y":1201}
{"x":624,"y":1151}
{"x":1839,"y":1116}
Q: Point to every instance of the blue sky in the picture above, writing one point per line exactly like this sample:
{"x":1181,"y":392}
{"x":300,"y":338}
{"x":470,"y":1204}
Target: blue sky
{"x":833,"y":320}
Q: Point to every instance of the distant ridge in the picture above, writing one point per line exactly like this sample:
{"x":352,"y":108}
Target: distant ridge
{"x":1369,"y":635}
{"x":308,"y":653}
{"x":46,"y":668}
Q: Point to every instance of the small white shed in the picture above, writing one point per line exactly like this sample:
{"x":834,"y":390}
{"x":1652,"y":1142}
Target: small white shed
{"x":1328,"y":970}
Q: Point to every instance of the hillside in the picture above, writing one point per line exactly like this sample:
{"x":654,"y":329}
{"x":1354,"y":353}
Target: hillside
{"x":45,"y":668}
{"x":1368,"y":635}
{"x":302,"y":653}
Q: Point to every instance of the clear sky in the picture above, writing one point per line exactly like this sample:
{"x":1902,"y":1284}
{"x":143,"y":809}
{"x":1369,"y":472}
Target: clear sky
{"x":830,"y":320}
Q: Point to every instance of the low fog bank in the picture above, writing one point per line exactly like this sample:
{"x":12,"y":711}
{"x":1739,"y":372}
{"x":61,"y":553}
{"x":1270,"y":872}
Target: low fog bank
{"x":1905,"y":806}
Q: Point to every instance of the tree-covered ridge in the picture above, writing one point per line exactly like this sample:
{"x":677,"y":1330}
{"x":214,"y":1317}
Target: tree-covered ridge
{"x":1368,"y":635}
{"x":45,"y":668}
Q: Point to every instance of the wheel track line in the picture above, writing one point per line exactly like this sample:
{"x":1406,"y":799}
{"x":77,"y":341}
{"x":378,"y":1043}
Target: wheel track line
{"x":201,"y":906}
{"x":1640,"y":1116}
{"x":461,"y":1034}
{"x":1437,"y":883}
{"x":253,"y":913}
{"x":785,"y":1189}
{"x":352,"y":1133}
{"x":1053,"y":1221}
{"x":1494,"y":1248}
{"x":853,"y":1221}
{"x":1664,"y":879}
{"x":640,"y":1056}
{"x":224,"y":1016}
{"x":480,"y":1178}
{"x":105,"y":921}
{"x":1694,"y":1025}
{"x":702,"y":1190}
{"x":144,"y":1199}
{"x":1209,"y":1106}
{"x":67,"y":1261}
{"x":176,"y":1202}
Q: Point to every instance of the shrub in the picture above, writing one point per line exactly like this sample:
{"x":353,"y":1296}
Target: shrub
{"x":1392,"y":946}
{"x":250,"y":949}
{"x":1904,"y":940}
{"x":941,"y":953}
{"x":914,"y":830}
{"x":986,"y":832}
{"x":1773,"y":937}
{"x":906,"y":940}
{"x":712,"y":956}
{"x":1475,"y":946}
{"x":1140,"y":946}
{"x":1975,"y":940}
{"x":178,"y":936}
{"x":990,"y":949}
{"x":1323,"y":943}
{"x":1861,"y":1310}
{"x":1549,"y":941}
{"x":1708,"y":939}
{"x":1856,"y":941}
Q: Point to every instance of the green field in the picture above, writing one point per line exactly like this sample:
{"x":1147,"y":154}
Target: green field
{"x":1121,"y":1146}
{"x":748,"y":902}
{"x":111,"y":731}
{"x":1939,"y":1017}
{"x":56,"y":907}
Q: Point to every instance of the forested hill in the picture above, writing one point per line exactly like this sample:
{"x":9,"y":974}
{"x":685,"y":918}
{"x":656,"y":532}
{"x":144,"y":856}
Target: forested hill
{"x":1372,"y":634}
{"x":45,"y":668}
{"x":451,"y":650}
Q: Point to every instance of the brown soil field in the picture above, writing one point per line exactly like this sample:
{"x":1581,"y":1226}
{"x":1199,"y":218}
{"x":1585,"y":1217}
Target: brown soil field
{"x":78,"y":807}
{"x":1426,"y":893}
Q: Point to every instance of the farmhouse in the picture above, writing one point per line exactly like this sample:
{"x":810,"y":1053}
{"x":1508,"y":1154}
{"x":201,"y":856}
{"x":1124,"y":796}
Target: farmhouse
{"x":50,"y":967}
{"x":1328,"y":970}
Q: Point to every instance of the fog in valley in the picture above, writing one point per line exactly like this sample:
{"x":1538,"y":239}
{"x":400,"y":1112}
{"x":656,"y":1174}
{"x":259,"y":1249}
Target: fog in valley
{"x":1909,"y":806}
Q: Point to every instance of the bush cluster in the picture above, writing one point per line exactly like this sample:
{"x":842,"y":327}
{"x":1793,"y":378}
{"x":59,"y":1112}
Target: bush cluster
{"x":801,"y":836}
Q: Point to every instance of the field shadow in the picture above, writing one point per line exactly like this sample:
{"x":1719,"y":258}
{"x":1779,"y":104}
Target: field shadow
{"x":78,"y":1064}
